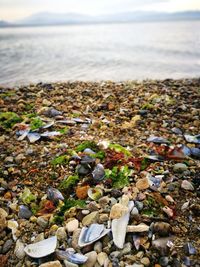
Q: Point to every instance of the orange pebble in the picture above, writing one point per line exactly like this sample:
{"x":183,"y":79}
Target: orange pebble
{"x":81,"y":191}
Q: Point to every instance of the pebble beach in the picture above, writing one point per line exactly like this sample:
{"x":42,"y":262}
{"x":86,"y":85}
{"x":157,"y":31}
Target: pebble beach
{"x":100,"y":174}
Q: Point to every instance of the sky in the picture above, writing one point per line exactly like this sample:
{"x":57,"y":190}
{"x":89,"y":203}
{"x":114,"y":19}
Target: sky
{"x":12,"y":10}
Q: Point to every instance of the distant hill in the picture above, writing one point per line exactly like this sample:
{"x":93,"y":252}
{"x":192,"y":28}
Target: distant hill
{"x":46,"y":18}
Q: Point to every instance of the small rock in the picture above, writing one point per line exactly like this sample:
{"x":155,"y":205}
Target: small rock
{"x":46,"y":102}
{"x":9,"y":159}
{"x":19,"y":158}
{"x":98,"y":247}
{"x":61,"y":234}
{"x":102,"y":258}
{"x":163,"y":261}
{"x":103,"y":218}
{"x":90,"y":218}
{"x":103,"y":201}
{"x":7,"y":245}
{"x":187,"y":185}
{"x":75,"y":238}
{"x":168,"y":211}
{"x":180,"y":167}
{"x":137,"y":228}
{"x":72,"y":225}
{"x":3,"y":222}
{"x":39,"y":238}
{"x":92,"y":258}
{"x":42,"y":221}
{"x":126,"y":249}
{"x":145,"y":261}
{"x":19,"y":250}
{"x":24,"y":212}
{"x":70,"y":264}
{"x":134,"y":211}
{"x":51,"y":264}
{"x":117,"y":211}
{"x":162,"y":228}
{"x":142,"y":184}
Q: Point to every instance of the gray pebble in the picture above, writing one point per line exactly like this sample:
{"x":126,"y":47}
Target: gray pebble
{"x":7,"y":245}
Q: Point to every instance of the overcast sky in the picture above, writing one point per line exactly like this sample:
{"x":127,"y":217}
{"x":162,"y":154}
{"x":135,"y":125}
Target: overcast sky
{"x":17,"y":9}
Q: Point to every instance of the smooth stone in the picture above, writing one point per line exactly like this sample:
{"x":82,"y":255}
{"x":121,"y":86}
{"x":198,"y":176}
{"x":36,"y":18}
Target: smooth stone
{"x":145,"y":261}
{"x":51,"y":264}
{"x":19,"y":250}
{"x":187,"y":185}
{"x":163,"y":261}
{"x":61,"y":234}
{"x":161,"y":244}
{"x":72,"y":225}
{"x":3,"y":221}
{"x":102,"y":258}
{"x":137,"y":228}
{"x":117,"y":211}
{"x":126,"y":249}
{"x":75,"y":238}
{"x":103,"y":201}
{"x":142,"y":184}
{"x":7,"y":245}
{"x":43,"y":222}
{"x":103,"y":218}
{"x":98,"y":247}
{"x":92,"y":258}
{"x":70,"y":264}
{"x":46,"y":102}
{"x":134,"y":211}
{"x":39,"y":238}
{"x":162,"y":228}
{"x":139,"y":205}
{"x":90,"y":218}
{"x":180,"y":167}
{"x":24,"y":212}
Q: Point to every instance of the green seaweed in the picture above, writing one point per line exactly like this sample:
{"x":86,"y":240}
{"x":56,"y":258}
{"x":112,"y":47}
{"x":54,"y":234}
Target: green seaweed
{"x":69,"y":182}
{"x":9,"y":119}
{"x":36,"y":123}
{"x":119,"y":176}
{"x":68,"y":203}
{"x":120,"y":149}
{"x":64,"y":130}
{"x":27,"y":197}
{"x":87,"y":144}
{"x":99,"y":155}
{"x":60,"y":160}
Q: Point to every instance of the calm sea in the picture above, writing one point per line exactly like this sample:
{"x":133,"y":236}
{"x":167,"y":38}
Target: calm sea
{"x":100,"y":52}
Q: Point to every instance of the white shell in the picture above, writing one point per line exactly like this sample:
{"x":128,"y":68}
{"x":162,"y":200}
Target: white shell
{"x":41,"y":248}
{"x":119,"y":227}
{"x":33,"y":137}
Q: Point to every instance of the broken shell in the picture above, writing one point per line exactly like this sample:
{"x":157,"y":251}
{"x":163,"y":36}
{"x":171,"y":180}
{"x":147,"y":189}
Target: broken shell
{"x":192,"y":138}
{"x":168,"y":211}
{"x":98,"y":172}
{"x":119,"y":227}
{"x":42,"y":248}
{"x":187,"y":185}
{"x":157,"y":140}
{"x":70,"y":255}
{"x":136,"y":241}
{"x":91,"y":234}
{"x":50,"y":134}
{"x":95,"y":193}
{"x":54,"y":194}
{"x":137,"y":228}
{"x":33,"y":137}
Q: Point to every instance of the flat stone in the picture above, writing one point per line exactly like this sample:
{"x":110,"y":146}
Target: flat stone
{"x":42,"y":221}
{"x":92,"y":258}
{"x":142,"y":184}
{"x":3,"y":221}
{"x":7,"y":245}
{"x":102,"y":258}
{"x":117,"y":211}
{"x":145,"y":261}
{"x":72,"y":225}
{"x":90,"y":218}
{"x":51,"y":264}
{"x":61,"y":234}
{"x":19,"y":250}
{"x":75,"y":238}
{"x":180,"y":167}
{"x":187,"y":185}
{"x":137,"y":228}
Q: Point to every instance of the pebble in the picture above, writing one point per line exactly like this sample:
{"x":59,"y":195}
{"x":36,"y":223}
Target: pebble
{"x":145,"y":261}
{"x":103,"y":218}
{"x":117,"y":211}
{"x":46,"y":102}
{"x":92,"y":258}
{"x":102,"y":258}
{"x":70,"y":264}
{"x":9,"y":159}
{"x":142,"y":184}
{"x":42,"y":221}
{"x":61,"y":234}
{"x":162,"y":228}
{"x":75,"y":238}
{"x":7,"y":245}
{"x":180,"y":167}
{"x":163,"y":261}
{"x":3,"y":221}
{"x":24,"y":212}
{"x":19,"y":250}
{"x":134,"y":211}
{"x":72,"y":225}
{"x":137,"y":228}
{"x":187,"y":185}
{"x":98,"y":247}
{"x":90,"y":218}
{"x":51,"y":264}
{"x":126,"y":249}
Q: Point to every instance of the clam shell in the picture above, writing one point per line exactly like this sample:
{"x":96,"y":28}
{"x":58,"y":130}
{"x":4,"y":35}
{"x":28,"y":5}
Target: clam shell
{"x":91,"y":234}
{"x":95,"y":193}
{"x":119,"y":227}
{"x":33,"y":137}
{"x":98,"y":172}
{"x":42,"y":248}
{"x":192,"y":138}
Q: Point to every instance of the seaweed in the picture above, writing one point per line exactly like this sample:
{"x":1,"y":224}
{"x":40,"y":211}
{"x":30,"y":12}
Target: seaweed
{"x":60,"y":160}
{"x":87,"y":144}
{"x":9,"y":119}
{"x":27,"y":197}
{"x":69,"y":182}
{"x":120,"y":149}
{"x":119,"y":176}
{"x":36,"y":123}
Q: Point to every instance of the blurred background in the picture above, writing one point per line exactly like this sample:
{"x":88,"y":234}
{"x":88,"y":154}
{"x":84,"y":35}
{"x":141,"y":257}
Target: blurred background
{"x":45,"y":41}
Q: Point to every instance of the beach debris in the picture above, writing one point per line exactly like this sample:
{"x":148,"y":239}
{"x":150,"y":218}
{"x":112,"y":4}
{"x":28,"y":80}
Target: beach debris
{"x":91,"y":234}
{"x":157,"y":140}
{"x":54,"y":195}
{"x":70,"y":255}
{"x":192,"y":138}
{"x":42,"y":248}
{"x":95,"y":193}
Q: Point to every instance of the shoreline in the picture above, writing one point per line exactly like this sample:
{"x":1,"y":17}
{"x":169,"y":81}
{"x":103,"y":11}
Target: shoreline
{"x":44,"y":130}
